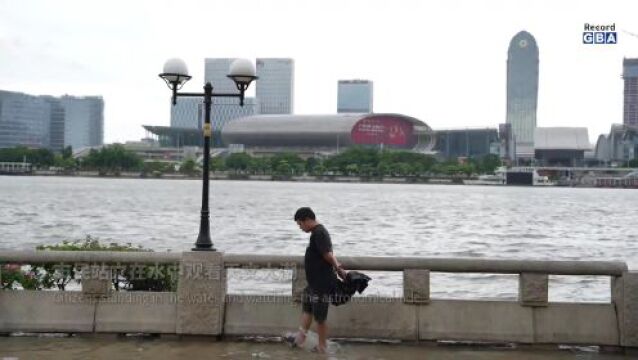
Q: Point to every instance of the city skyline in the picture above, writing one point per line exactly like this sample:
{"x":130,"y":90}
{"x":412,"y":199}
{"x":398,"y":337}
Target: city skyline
{"x":62,"y":48}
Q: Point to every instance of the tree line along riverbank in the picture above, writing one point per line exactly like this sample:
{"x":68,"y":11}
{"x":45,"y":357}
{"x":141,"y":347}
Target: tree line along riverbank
{"x":358,"y":162}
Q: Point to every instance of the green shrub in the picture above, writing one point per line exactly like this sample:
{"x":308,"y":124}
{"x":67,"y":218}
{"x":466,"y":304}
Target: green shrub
{"x":136,"y":277}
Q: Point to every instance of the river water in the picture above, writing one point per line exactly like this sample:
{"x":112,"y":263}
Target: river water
{"x":363,"y":219}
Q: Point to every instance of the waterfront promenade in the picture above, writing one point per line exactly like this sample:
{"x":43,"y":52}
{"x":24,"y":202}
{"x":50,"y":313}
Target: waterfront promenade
{"x":145,"y":348}
{"x":201,"y":305}
{"x":475,"y":250}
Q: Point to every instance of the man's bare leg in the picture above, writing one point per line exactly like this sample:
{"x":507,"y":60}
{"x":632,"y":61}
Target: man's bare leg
{"x":322,"y":331}
{"x":306,"y":321}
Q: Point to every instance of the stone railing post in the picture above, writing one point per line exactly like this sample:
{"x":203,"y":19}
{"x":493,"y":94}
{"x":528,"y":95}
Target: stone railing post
{"x":201,"y":293}
{"x":624,"y":296}
{"x":298,"y":283}
{"x":97,"y":280}
{"x":533,"y":289}
{"x":416,"y":286}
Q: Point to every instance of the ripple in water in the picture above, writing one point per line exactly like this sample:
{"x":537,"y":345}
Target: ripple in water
{"x":363,"y":219}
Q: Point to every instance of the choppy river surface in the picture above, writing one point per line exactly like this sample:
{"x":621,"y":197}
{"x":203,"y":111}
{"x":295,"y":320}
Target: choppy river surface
{"x":363,"y":219}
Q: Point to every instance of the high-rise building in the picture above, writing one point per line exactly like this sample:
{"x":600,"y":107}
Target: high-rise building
{"x":507,"y":146}
{"x":83,"y":121}
{"x":630,"y":76}
{"x":50,"y":122}
{"x":228,"y":109}
{"x":354,"y":96}
{"x":275,"y":86}
{"x":188,"y":112}
{"x":24,"y":120}
{"x":274,"y":95}
{"x":522,"y":92}
{"x":223,"y":109}
{"x":216,"y":72}
{"x":56,"y":124}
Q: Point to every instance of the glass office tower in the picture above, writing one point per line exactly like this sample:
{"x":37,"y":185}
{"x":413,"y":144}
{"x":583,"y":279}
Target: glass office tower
{"x":522,"y":91}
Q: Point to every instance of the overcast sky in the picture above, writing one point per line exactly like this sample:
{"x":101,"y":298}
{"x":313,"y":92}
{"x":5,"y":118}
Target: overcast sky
{"x":443,"y":62}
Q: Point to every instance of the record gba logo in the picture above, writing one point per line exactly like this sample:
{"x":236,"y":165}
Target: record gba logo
{"x":600,"y":34}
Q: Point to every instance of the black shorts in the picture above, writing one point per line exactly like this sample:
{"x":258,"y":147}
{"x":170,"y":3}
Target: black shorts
{"x":315,"y":303}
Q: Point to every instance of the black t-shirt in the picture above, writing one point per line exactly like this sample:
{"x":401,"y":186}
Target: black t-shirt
{"x":319,"y":273}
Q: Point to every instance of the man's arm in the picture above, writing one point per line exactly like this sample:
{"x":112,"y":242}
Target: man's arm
{"x":330,"y":258}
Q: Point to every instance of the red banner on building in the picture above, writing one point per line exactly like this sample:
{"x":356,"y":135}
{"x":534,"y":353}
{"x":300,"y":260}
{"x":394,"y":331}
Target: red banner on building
{"x":383,"y":130}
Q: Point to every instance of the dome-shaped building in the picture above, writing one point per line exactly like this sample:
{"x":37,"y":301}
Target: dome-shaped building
{"x":328,"y":132}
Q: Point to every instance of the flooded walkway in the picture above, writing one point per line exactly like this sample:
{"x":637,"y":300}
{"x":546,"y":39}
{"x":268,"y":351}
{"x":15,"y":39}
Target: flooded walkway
{"x":111,"y":348}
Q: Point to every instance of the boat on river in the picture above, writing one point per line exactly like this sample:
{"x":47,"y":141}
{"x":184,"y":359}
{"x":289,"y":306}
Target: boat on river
{"x":523,"y":176}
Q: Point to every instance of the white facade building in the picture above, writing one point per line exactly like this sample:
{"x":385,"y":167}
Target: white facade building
{"x":216,"y":72}
{"x":275,"y":86}
{"x":354,"y":96}
{"x":83,"y":121}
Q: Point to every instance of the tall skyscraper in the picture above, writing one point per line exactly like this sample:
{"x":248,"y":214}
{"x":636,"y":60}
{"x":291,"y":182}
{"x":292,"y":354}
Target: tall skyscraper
{"x":275,"y":86}
{"x":83,"y":121}
{"x":216,"y":71}
{"x":522,"y":91}
{"x":24,"y":120}
{"x":630,"y":76}
{"x":354,"y":96}
{"x":56,"y":125}
{"x":223,"y":109}
{"x":50,"y":122}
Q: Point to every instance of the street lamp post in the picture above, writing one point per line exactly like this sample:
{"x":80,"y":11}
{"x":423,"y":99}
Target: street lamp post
{"x":242,"y":72}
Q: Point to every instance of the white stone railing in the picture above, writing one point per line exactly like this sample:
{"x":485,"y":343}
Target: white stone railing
{"x":450,"y":265}
{"x":201,"y":306}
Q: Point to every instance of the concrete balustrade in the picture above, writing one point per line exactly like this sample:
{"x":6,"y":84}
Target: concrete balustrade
{"x":202,"y":293}
{"x":96,"y":280}
{"x":298,"y":283}
{"x":533,"y":289}
{"x":89,"y":257}
{"x":201,"y":306}
{"x":625,"y":300}
{"x":416,"y":286}
{"x":371,"y":263}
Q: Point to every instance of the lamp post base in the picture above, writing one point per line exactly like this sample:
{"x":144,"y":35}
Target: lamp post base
{"x":204,"y":242}
{"x":203,"y":249}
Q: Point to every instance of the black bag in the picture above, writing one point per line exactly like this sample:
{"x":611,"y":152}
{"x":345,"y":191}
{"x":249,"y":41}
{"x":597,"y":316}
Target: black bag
{"x":344,"y":289}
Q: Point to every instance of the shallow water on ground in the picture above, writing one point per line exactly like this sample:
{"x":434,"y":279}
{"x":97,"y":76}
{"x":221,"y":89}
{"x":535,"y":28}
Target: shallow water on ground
{"x":22,"y":348}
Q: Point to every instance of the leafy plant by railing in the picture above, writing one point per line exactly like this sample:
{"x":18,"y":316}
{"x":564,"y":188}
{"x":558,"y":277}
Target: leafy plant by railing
{"x":32,"y":278}
{"x":131,"y":277}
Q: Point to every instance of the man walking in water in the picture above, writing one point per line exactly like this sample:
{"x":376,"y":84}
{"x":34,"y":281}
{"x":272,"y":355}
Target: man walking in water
{"x":320,"y":265}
